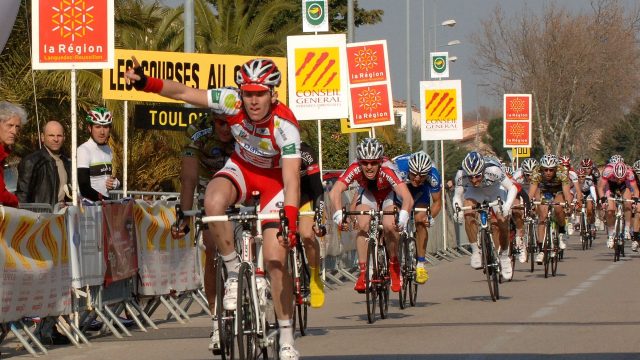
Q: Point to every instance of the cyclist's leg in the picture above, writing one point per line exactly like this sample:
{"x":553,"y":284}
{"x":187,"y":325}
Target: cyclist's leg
{"x":627,"y":213}
{"x":471,"y":228}
{"x":312,"y":251}
{"x":422,"y":238}
{"x":542,"y":228}
{"x":366,"y":201}
{"x":561,"y":220}
{"x":210,"y":269}
{"x":392,"y":237}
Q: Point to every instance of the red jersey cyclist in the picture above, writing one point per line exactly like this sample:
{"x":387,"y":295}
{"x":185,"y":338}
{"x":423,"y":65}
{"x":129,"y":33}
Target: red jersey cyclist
{"x":266,"y":158}
{"x":380,"y":188}
{"x":617,"y":179}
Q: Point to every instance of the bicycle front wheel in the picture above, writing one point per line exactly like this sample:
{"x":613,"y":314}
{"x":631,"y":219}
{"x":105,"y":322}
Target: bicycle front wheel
{"x":383,"y":291}
{"x":224,"y":318}
{"x":490,"y":270}
{"x":301,"y":289}
{"x":412,"y":284}
{"x":246,"y":315}
{"x":403,"y":254}
{"x":371,"y":279}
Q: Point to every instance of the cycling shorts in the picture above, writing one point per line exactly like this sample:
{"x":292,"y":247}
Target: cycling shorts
{"x":489,"y":194}
{"x":306,"y":206}
{"x":247,"y":178}
{"x":366,"y":197}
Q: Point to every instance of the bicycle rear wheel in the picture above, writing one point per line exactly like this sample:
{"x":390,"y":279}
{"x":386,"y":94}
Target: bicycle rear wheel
{"x":513,"y":254}
{"x":301,"y":289}
{"x":384,"y":276}
{"x":489,"y":264}
{"x":413,"y":285}
{"x":531,"y":244}
{"x":555,"y":253}
{"x":371,"y":274}
{"x":224,"y":318}
{"x":403,"y":254}
{"x":246,"y":316}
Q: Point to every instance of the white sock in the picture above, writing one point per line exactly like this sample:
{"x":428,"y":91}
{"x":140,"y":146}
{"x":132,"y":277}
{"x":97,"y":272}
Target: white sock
{"x":231,"y":262}
{"x":286,"y":332}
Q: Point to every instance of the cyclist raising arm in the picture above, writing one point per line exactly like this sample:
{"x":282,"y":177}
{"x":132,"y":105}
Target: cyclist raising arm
{"x":480,"y":181}
{"x":424,"y":182}
{"x":266,"y":159}
{"x":381,"y":189}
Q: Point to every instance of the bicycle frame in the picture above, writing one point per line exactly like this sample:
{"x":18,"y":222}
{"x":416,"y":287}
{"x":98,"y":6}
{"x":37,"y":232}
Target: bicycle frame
{"x":485,"y":237}
{"x":618,"y":228}
{"x":550,"y":245}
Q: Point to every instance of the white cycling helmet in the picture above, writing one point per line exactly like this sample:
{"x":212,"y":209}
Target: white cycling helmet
{"x":99,"y":116}
{"x":614,"y":159}
{"x":258,"y":74}
{"x":420,"y":163}
{"x":529,"y":165}
{"x":473,"y":164}
{"x":549,"y":161}
{"x":370,"y":149}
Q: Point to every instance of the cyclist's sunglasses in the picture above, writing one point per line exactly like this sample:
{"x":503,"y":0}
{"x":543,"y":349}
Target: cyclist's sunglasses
{"x":418,"y":174}
{"x":369,"y":162}
{"x":548,"y":169}
{"x":478,"y":176}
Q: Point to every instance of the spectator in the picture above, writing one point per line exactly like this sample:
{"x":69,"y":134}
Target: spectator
{"x":95,"y":172}
{"x":12,"y":117}
{"x":44,"y":176}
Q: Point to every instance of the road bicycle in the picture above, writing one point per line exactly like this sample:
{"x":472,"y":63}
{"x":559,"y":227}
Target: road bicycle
{"x":490,"y":264}
{"x":619,"y":226}
{"x":377,"y":277}
{"x":408,"y":257}
{"x":550,"y":243}
{"x":530,"y":236}
{"x":301,"y":275}
{"x":587,"y":232}
{"x":251,"y":330}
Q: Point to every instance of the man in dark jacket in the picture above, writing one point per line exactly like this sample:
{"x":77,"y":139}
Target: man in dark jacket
{"x":44,"y":176}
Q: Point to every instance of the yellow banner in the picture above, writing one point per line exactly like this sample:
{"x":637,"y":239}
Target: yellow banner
{"x":200,"y":71}
{"x":521,"y":152}
{"x":345,"y":128}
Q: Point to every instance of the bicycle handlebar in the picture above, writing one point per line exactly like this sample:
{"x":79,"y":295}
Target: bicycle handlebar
{"x":480,"y":206}
{"x":370,"y":212}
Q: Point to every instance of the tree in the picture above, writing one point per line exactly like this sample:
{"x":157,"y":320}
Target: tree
{"x":570,"y":63}
{"x":622,"y":139}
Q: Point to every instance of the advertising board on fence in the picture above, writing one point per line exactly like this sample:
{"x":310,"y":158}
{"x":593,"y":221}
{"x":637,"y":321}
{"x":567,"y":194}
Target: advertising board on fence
{"x":85,"y":238}
{"x":34,"y":265}
{"x":121,"y":259}
{"x":165,"y":263}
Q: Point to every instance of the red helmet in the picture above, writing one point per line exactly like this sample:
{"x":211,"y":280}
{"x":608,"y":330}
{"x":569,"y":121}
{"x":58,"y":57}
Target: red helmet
{"x":619,"y":170}
{"x":258,"y":75}
{"x":565,"y":161}
{"x":586,"y":163}
{"x":581,"y":171}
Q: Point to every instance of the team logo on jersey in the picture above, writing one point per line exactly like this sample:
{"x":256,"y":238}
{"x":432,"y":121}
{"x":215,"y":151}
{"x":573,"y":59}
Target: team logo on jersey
{"x":434,"y":182}
{"x":289,"y":149}
{"x":263,"y":131}
{"x":201,"y":133}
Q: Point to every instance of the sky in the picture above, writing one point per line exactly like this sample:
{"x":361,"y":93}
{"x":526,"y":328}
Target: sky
{"x":468,"y":15}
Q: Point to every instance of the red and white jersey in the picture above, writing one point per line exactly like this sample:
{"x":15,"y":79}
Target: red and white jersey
{"x":265,"y":144}
{"x":386,"y":178}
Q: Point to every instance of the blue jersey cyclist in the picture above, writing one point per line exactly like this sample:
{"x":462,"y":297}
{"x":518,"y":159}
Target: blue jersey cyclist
{"x":424,"y":182}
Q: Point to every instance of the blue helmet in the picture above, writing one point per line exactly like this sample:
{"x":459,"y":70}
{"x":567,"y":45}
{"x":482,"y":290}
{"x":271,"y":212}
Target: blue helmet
{"x":473,"y":164}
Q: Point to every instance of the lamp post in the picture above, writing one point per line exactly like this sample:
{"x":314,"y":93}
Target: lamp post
{"x":478,"y":114}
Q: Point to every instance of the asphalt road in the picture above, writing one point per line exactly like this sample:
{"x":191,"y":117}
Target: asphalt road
{"x":590,"y":310}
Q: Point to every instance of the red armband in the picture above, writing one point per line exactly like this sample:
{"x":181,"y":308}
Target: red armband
{"x":153,"y":85}
{"x":291,"y":212}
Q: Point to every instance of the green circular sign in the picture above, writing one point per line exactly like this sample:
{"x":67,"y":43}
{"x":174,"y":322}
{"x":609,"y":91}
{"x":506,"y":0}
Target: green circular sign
{"x":439,"y":64}
{"x":315,"y":13}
